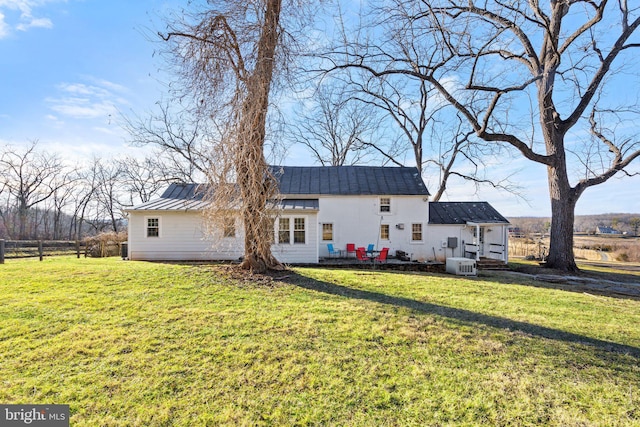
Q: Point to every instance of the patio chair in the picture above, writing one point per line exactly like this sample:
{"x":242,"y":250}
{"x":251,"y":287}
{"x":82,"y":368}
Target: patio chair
{"x":332,"y":252}
{"x":382,"y":257}
{"x":361,"y":255}
{"x":371,"y":247}
{"x":351,"y":249}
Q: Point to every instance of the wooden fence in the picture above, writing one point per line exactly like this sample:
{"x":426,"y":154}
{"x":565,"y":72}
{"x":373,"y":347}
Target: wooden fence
{"x":40,"y":248}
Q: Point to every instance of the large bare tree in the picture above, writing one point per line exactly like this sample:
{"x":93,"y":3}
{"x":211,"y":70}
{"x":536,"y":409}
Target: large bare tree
{"x":337,"y":130}
{"x":228,"y":55}
{"x":181,"y":142}
{"x":29,"y":176}
{"x":441,"y":142}
{"x":529,"y":74}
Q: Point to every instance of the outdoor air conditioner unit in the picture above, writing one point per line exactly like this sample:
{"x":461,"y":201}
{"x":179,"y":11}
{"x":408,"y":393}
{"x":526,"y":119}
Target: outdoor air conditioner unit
{"x":461,"y":266}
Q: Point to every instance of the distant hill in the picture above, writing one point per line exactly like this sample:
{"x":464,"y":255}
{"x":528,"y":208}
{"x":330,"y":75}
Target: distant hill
{"x":623,"y":222}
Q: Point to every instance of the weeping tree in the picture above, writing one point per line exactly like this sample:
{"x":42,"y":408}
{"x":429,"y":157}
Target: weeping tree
{"x":531,"y":75}
{"x":229,"y":56}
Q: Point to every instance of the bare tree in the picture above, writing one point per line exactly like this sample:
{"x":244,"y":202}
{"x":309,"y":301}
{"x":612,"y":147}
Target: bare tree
{"x":108,"y":192}
{"x":29,"y":177}
{"x":337,"y":130}
{"x":181,"y":139}
{"x":62,"y":197}
{"x":228,"y":56}
{"x":141,"y":179}
{"x":442,"y":144}
{"x":504,"y":65}
{"x":84,"y":193}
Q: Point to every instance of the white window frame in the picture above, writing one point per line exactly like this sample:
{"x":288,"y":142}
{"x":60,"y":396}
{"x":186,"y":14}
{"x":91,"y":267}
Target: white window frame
{"x":387,"y":205}
{"x":421,"y":232}
{"x":146,"y":226}
{"x":278,"y":231}
{"x":304,"y":230}
{"x":322,"y":231}
{"x":388,"y":232}
{"x":292,"y":230}
{"x":228,"y":224}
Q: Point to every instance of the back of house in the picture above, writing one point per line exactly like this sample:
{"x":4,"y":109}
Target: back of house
{"x":387,"y":207}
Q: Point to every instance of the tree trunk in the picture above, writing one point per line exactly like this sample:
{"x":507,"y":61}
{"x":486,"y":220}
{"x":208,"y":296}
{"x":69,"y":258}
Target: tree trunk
{"x":563,"y":203}
{"x":23,"y":212}
{"x":256,"y":185}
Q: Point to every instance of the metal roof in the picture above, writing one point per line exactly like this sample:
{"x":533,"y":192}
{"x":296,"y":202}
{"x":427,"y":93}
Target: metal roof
{"x":463,"y":213}
{"x":349,"y":180}
{"x":184,"y":197}
{"x":178,"y":197}
{"x":307,"y":180}
{"x":300,"y":204}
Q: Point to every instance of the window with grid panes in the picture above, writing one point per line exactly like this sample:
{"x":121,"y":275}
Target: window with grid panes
{"x":284,"y":234}
{"x":298,"y":230}
{"x":385,"y":204}
{"x":416,"y":232}
{"x":384,"y":231}
{"x":327,"y":232}
{"x":153,"y":227}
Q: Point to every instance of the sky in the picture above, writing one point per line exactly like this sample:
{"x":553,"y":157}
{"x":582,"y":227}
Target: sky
{"x":71,"y":68}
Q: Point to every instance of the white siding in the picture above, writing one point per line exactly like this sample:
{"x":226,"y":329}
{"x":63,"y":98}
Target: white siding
{"x":437,"y":240}
{"x":301,"y":253}
{"x":494,"y":240}
{"x":357,"y":219}
{"x":181,"y":237}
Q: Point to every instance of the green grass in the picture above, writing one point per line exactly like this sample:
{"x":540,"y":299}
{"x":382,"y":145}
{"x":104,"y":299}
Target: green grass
{"x":140,"y":344}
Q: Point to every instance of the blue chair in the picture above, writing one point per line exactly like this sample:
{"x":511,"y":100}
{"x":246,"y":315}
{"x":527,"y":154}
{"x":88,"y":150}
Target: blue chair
{"x":332,"y":252}
{"x":370,"y":247}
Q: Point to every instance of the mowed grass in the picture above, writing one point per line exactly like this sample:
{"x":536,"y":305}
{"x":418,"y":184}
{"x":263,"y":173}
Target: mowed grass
{"x":144,"y":344}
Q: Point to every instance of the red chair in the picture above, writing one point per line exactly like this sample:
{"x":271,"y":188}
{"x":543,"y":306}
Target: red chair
{"x":382,"y":257}
{"x":351,"y":249}
{"x":361,"y":255}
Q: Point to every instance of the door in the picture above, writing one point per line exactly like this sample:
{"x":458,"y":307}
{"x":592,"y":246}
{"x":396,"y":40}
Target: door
{"x":479,"y":240}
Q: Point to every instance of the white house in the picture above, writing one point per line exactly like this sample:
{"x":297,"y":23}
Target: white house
{"x":384,"y":206}
{"x":468,"y":230}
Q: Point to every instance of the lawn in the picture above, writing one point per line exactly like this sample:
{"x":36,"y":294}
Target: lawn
{"x":145,"y":344}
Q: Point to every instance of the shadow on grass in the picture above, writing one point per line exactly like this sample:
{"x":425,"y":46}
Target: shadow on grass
{"x":462,"y":315}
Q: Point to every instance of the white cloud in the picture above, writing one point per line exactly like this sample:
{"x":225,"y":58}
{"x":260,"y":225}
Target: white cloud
{"x":24,"y":18}
{"x":35,"y":23}
{"x":4,"y":28}
{"x":87,"y":101}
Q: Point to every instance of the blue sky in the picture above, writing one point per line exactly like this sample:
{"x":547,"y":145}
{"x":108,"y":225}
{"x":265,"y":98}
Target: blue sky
{"x":71,"y":68}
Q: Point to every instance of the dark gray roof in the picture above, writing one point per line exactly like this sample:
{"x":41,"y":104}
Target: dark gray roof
{"x":349,"y":180}
{"x":182,"y":197}
{"x":308,"y":181}
{"x":178,"y":197}
{"x":463,"y":212}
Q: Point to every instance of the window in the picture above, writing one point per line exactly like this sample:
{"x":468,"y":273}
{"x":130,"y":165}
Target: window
{"x":385,"y":204}
{"x":153,"y":227}
{"x":283,"y":230}
{"x":229,"y":227}
{"x":416,"y":232}
{"x":298,"y":230}
{"x":327,"y":232}
{"x":384,"y":231}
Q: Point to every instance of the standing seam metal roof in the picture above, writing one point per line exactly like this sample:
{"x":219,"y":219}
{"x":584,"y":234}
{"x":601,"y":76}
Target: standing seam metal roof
{"x":349,"y":180}
{"x":311,"y":181}
{"x":464,"y":212}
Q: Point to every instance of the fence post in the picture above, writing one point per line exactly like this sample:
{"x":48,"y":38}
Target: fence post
{"x":1,"y":251}
{"x":78,"y":248}
{"x":40,"y":250}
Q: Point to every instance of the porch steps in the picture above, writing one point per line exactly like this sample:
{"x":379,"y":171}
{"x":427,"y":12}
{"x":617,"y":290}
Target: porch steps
{"x":491,"y":264}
